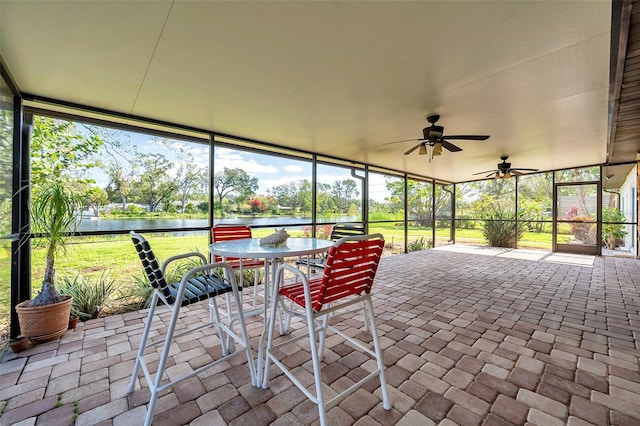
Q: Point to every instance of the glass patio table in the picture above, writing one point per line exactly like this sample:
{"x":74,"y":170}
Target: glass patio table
{"x":250,"y":248}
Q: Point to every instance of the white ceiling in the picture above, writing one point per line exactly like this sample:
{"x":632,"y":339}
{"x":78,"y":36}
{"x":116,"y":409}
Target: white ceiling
{"x":333,"y":77}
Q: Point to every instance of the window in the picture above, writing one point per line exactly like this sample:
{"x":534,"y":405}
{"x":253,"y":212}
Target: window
{"x":262,"y":190}
{"x":126,"y":181}
{"x":338,"y":194}
{"x":386,"y":210}
{"x":6,"y":204}
{"x":535,"y":210}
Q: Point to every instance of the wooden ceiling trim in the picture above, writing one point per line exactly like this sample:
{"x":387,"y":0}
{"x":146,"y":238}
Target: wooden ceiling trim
{"x":624,"y":92}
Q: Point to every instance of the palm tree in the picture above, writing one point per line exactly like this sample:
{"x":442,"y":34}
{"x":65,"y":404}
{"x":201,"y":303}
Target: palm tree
{"x":53,"y":216}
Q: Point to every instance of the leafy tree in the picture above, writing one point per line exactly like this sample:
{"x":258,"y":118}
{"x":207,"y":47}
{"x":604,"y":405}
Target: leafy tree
{"x":581,"y":174}
{"x":154,"y":184}
{"x":535,"y":193}
{"x":270,"y":204}
{"x":190,"y":180}
{"x":95,"y":197}
{"x":295,"y":194}
{"x":234,"y":181}
{"x":325,"y":202}
{"x":119,"y":187}
{"x":203,"y":206}
{"x":257,"y":206}
{"x":488,"y":196}
{"x":343,"y":192}
{"x":419,"y":200}
{"x":396,"y":190}
{"x":59,"y":151}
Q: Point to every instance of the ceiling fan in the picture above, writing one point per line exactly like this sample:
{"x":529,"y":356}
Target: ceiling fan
{"x":434,"y":139}
{"x":504,"y":170}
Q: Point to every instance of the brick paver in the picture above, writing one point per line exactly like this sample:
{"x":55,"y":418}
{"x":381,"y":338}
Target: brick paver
{"x":470,"y":336}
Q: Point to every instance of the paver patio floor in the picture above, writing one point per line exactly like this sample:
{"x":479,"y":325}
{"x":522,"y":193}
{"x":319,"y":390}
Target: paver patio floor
{"x":471,"y":336}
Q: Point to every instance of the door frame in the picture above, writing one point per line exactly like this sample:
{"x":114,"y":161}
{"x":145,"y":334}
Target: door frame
{"x":575,"y":248}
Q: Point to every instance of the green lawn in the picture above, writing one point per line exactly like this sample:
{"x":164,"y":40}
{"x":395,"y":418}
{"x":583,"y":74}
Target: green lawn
{"x":91,"y":256}
{"x":5,"y":285}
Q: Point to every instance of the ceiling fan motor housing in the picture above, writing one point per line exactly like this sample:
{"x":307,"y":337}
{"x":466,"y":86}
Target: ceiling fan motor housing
{"x":432,"y":133}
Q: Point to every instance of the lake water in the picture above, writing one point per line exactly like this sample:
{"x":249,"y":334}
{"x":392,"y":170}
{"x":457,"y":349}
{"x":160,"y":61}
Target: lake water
{"x":88,"y":225}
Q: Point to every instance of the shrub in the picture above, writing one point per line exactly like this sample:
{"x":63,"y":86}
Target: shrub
{"x":612,"y":232}
{"x":89,"y":298}
{"x":139,"y":294}
{"x":135,"y":297}
{"x":499,"y":229}
{"x":420,"y":244}
{"x":584,"y":229}
{"x":322,"y":231}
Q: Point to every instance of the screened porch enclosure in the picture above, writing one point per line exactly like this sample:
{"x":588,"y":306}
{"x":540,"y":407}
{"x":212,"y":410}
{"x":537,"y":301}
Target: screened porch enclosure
{"x":174,"y":188}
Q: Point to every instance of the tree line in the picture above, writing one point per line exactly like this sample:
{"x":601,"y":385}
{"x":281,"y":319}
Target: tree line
{"x":75,"y":153}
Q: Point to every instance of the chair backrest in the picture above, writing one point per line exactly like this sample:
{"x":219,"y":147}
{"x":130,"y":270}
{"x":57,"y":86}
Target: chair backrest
{"x":350,"y":268}
{"x":342,"y":230}
{"x":151,"y":266}
{"x":227,"y":233}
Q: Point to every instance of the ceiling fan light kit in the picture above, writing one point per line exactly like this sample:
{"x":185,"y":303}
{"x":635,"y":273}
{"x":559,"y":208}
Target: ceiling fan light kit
{"x":437,"y":149}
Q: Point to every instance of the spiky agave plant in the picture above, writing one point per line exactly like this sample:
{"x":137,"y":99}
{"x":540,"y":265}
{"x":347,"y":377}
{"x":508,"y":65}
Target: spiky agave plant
{"x":53,"y":216}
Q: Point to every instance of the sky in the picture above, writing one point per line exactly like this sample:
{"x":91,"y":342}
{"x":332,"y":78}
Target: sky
{"x":271,"y":171}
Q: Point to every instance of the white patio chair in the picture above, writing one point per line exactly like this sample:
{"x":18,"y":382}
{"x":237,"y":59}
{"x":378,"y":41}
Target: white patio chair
{"x":198,"y":284}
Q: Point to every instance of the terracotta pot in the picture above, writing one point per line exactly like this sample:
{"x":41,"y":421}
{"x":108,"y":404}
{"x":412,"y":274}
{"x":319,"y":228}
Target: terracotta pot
{"x":21,"y":344}
{"x":44,"y":323}
{"x":73,"y":322}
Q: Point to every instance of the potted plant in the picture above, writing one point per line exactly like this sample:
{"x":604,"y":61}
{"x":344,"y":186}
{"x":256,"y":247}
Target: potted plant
{"x":612,"y":233}
{"x":46,"y":317}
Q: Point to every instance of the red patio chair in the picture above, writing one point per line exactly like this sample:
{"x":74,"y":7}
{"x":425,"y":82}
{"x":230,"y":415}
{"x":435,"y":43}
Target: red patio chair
{"x":345,"y":285}
{"x":235,"y":232}
{"x":339,"y":230}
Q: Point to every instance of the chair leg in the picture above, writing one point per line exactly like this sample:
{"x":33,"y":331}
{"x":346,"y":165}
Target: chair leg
{"x":365,"y":318}
{"x":245,"y":338}
{"x":322,"y":327}
{"x":376,"y":344}
{"x":230,"y":346}
{"x":285,"y":318}
{"x":255,"y":287}
{"x":213,"y":313}
{"x":163,"y":361}
{"x":271,"y":324}
{"x":143,"y":343}
{"x":315,"y":359}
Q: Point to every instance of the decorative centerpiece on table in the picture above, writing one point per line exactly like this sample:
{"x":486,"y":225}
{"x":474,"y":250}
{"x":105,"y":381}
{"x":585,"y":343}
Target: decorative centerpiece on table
{"x":278,"y":238}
